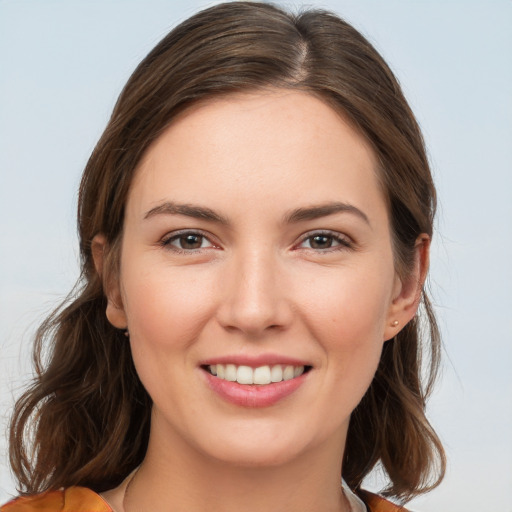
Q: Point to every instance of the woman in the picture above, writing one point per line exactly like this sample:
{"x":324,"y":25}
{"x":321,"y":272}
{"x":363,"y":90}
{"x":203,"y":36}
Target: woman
{"x":255,"y":225}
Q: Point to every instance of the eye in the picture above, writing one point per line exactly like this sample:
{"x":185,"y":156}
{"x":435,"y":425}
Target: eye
{"x":325,"y":240}
{"x":187,"y":241}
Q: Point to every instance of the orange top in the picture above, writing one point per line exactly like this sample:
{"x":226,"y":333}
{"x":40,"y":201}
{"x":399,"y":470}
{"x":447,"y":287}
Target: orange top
{"x":81,"y":499}
{"x":73,"y":499}
{"x":376,"y":503}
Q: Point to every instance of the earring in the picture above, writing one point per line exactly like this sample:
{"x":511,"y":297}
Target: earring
{"x":395,"y":323}
{"x":126,"y":333}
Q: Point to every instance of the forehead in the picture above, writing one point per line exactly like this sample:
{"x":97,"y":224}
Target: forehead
{"x":255,"y":149}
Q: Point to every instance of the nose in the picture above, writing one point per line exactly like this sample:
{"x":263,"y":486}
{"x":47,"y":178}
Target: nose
{"x":254,"y":299}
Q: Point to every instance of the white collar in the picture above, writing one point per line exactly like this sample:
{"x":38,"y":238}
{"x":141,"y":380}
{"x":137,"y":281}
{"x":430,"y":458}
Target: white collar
{"x":356,"y":505}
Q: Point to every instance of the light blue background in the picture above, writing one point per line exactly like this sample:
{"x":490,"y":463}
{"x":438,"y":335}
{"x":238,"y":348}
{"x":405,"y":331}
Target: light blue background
{"x":62,"y":65}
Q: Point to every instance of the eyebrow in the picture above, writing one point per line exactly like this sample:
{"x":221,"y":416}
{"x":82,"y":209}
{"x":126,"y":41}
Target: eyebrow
{"x":189,"y":210}
{"x":297,"y":215}
{"x":323,"y":210}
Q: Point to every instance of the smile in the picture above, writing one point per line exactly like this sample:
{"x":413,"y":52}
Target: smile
{"x":261,"y":375}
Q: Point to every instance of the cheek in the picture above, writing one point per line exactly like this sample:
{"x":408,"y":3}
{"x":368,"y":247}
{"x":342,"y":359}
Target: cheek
{"x":347,"y":316}
{"x":166,"y":308}
{"x":347,"y":307}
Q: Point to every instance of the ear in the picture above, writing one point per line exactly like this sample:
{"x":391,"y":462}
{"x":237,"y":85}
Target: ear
{"x":407,"y":291}
{"x":115,"y":310}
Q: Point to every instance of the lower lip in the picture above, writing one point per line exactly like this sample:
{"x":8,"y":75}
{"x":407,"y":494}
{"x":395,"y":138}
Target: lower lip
{"x":246,"y":395}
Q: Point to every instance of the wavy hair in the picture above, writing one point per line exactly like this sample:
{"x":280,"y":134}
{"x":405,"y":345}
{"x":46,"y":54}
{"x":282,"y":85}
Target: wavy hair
{"x":85,"y":418}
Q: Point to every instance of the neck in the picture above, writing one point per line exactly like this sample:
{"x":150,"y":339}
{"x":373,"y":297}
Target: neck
{"x":180,"y":479}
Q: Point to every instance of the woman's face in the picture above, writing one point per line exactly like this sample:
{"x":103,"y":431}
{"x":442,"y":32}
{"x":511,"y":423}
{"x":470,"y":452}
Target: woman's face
{"x":257,"y":246}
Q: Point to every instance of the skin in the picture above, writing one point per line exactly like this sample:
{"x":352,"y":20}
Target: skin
{"x":257,"y":284}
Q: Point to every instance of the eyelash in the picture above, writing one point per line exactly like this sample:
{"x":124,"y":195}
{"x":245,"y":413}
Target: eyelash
{"x":342,"y":241}
{"x":166,"y":242}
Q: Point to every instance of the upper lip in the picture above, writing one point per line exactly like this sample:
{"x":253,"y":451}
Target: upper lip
{"x":255,"y":361}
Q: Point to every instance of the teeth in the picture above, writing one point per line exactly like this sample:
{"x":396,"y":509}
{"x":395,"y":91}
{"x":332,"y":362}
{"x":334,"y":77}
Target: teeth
{"x":288,"y":373}
{"x":260,"y":376}
{"x":230,"y":372}
{"x":276,"y":374}
{"x":244,"y":375}
{"x":298,"y":371}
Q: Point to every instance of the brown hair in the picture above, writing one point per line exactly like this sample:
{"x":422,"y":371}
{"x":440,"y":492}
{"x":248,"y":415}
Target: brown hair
{"x":87,"y":412}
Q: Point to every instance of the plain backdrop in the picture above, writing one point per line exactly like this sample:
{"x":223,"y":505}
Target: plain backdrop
{"x":62,"y":65}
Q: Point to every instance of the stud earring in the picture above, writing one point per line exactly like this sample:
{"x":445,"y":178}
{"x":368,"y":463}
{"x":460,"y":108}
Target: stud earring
{"x":126,"y":333}
{"x":395,"y":323}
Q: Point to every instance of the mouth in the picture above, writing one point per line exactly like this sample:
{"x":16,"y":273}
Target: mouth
{"x":259,"y":376}
{"x":259,"y":381}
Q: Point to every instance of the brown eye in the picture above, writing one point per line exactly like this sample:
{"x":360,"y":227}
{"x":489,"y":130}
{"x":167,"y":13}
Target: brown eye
{"x":325,"y":241}
{"x":189,"y":241}
{"x":321,"y":242}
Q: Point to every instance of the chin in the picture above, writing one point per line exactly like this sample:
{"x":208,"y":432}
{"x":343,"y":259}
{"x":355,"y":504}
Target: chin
{"x":265,"y":446}
{"x":255,"y":456}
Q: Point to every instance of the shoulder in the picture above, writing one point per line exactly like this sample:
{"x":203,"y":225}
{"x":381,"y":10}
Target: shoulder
{"x":73,"y":499}
{"x":376,"y":503}
{"x":81,"y":499}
